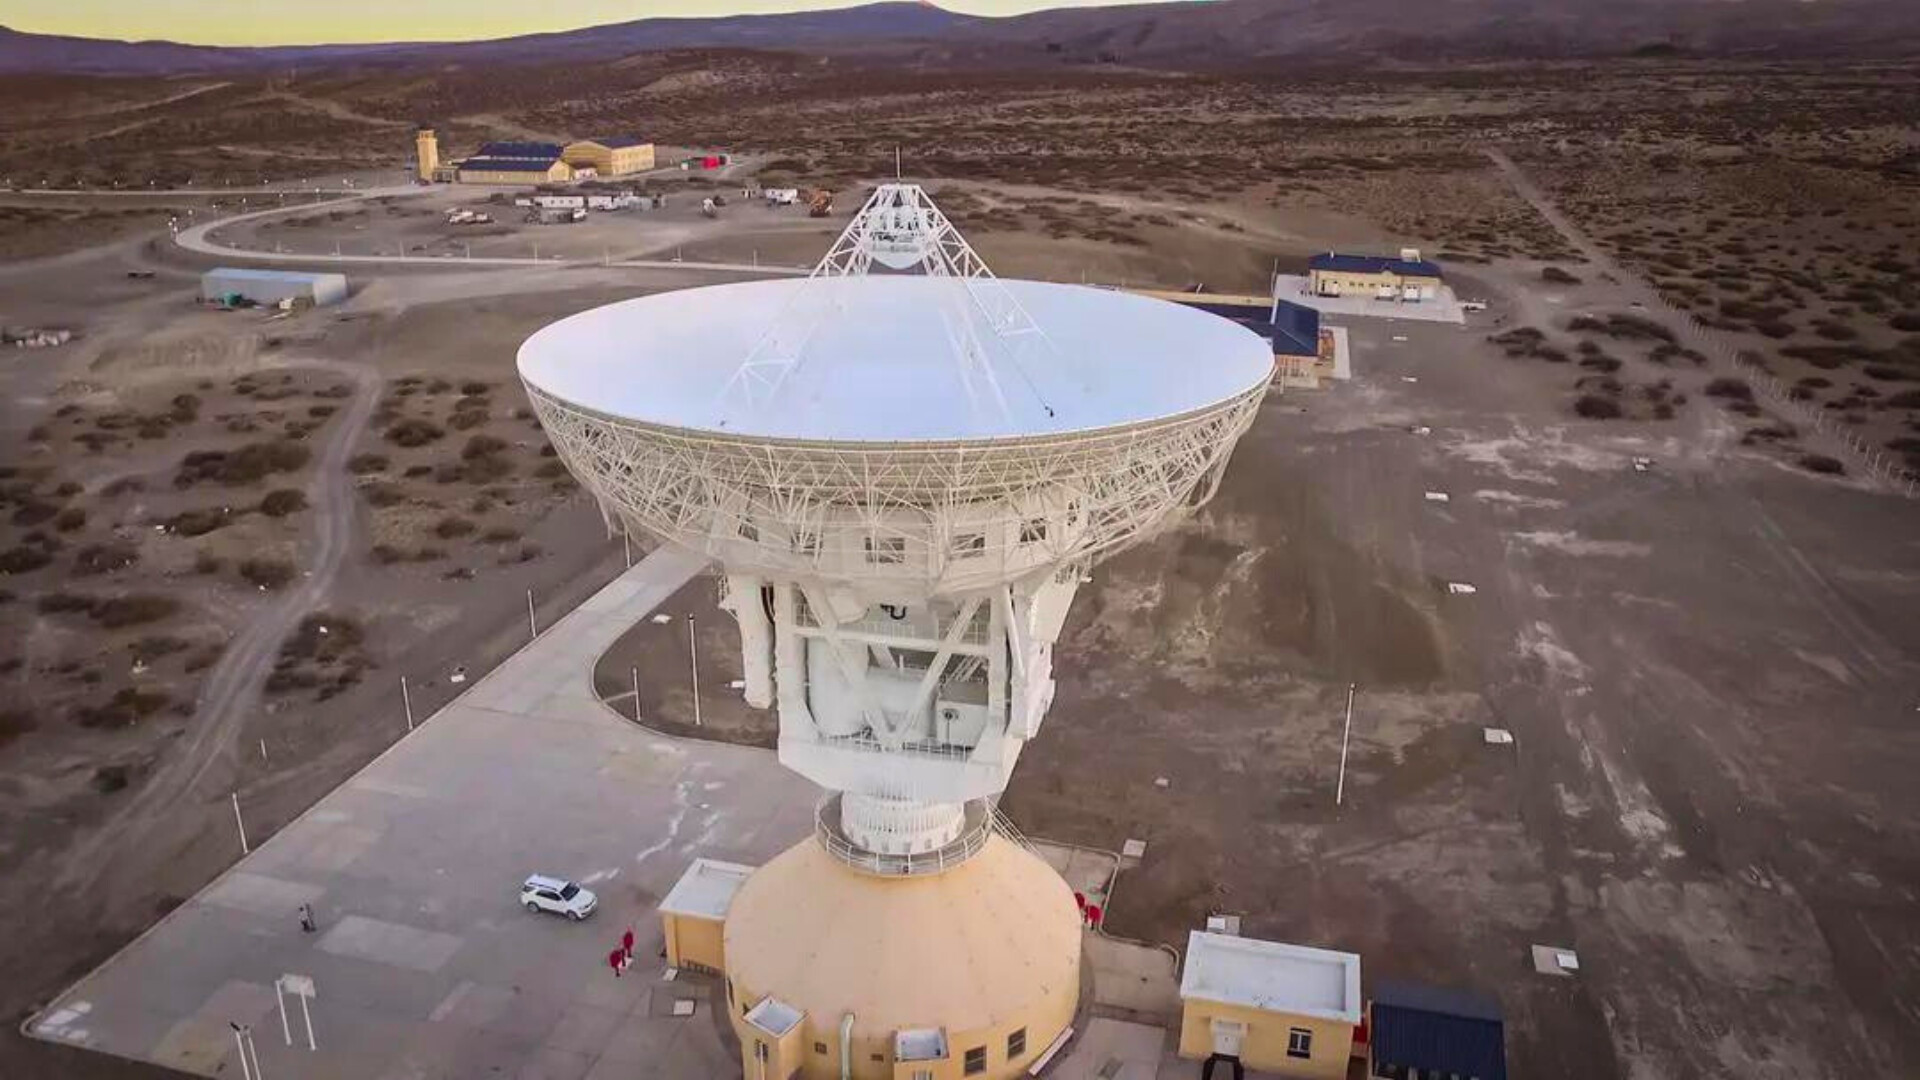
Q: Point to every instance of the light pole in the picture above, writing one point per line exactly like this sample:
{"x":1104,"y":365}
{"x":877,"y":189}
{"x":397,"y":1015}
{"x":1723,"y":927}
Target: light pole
{"x":1340,"y":789}
{"x":693,"y":653}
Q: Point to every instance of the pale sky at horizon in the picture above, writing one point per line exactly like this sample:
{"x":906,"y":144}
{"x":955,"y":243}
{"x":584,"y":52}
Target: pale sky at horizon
{"x":309,"y":22}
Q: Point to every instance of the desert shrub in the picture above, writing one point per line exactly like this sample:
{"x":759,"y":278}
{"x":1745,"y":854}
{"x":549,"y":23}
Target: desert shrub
{"x":1774,"y":328}
{"x":266,"y":573}
{"x":1557,"y":276}
{"x":248,"y":464}
{"x":1600,"y":363}
{"x":198,"y":522}
{"x":500,"y":534}
{"x":1909,"y":320}
{"x":125,"y":707}
{"x":416,"y":471}
{"x":321,"y":412}
{"x":64,"y":603}
{"x":550,"y":470}
{"x":133,"y":609}
{"x":1883,"y":372}
{"x":23,"y":558}
{"x":283,"y":502}
{"x":123,"y":486}
{"x":465,"y":419}
{"x":1820,"y":463}
{"x":414,"y":432}
{"x":206,"y":562}
{"x":474,"y":387}
{"x":33,"y":512}
{"x":104,"y":558}
{"x":1596,"y":407}
{"x":15,"y":723}
{"x":69,"y":519}
{"x":452,"y":526}
{"x":1905,"y":399}
{"x":482,"y":445}
{"x":155,"y":646}
{"x":362,"y":464}
{"x":1731,"y":389}
{"x":387,"y":554}
{"x":485,"y":469}
{"x":383,"y":495}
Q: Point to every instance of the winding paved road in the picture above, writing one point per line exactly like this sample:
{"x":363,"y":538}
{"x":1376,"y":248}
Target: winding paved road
{"x":199,"y":239}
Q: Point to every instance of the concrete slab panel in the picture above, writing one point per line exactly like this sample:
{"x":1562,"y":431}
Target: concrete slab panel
{"x":261,"y":895}
{"x":584,"y":1029}
{"x":390,"y":943}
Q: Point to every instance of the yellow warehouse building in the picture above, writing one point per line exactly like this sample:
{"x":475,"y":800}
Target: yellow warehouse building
{"x":611,"y":156}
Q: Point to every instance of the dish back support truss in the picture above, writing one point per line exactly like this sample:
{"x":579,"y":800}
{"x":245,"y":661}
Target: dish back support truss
{"x":899,"y":227}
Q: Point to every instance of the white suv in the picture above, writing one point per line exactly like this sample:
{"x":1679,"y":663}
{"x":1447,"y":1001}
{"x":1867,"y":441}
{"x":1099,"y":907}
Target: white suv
{"x":542,"y":893}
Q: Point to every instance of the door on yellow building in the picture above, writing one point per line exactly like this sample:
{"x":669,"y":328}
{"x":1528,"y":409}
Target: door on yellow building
{"x":1227,"y":1037}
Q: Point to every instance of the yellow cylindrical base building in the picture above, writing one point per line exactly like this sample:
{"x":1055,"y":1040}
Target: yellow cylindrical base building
{"x":971,"y":971}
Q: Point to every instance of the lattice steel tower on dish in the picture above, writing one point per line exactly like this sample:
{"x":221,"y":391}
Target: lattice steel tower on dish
{"x":905,"y":467}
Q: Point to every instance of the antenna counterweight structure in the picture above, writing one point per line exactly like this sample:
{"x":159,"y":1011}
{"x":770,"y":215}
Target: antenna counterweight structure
{"x":904,"y":480}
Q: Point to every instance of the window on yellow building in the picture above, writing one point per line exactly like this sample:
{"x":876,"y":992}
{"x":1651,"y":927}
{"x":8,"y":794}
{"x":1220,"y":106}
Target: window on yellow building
{"x":1016,"y":1044}
{"x":976,"y":1061}
{"x":1299,"y":1043}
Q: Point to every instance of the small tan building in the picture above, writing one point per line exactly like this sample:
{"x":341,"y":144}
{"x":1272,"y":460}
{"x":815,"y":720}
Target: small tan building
{"x":1285,"y":1009}
{"x":693,"y":916}
{"x":610,"y":156}
{"x":1408,"y":278}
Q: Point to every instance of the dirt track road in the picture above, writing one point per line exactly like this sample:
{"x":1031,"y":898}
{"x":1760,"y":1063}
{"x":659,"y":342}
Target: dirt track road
{"x":233,"y":687}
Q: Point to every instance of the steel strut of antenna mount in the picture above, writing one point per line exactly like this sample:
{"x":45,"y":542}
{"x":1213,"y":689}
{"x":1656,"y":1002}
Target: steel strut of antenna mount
{"x":899,"y":220}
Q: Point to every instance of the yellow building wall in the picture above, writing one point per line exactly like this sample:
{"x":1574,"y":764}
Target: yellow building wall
{"x":873,"y":1051}
{"x":694,"y":942}
{"x":785,"y":1055}
{"x":609,"y":162}
{"x":632,"y":159}
{"x":559,"y":171}
{"x":1265,"y":1045}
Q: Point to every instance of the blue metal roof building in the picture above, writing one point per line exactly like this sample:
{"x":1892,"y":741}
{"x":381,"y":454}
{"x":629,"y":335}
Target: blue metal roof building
{"x":1373,"y":264}
{"x":1293,"y":328}
{"x":504,"y":164}
{"x":530,"y":151}
{"x":1439,"y":1031}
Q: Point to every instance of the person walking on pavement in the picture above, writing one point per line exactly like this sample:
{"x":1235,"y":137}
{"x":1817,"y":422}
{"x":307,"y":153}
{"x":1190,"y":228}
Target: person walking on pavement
{"x":626,"y":944}
{"x":306,"y":918}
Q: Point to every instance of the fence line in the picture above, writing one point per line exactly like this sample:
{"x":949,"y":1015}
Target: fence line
{"x":1876,"y":463}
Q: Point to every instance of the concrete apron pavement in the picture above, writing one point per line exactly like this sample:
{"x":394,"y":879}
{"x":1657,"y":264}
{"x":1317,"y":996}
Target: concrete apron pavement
{"x":423,"y":962}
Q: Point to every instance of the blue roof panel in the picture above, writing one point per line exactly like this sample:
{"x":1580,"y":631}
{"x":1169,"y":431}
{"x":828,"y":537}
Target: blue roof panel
{"x":1438,"y":1029}
{"x":493,"y":164}
{"x":1373,"y":264}
{"x":519,"y":150}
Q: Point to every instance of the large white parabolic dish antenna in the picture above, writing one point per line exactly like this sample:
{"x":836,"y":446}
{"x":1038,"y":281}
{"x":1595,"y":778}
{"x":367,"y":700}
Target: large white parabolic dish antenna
{"x":904,"y":477}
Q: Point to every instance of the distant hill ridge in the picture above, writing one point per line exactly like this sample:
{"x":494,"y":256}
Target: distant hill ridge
{"x":1221,"y":34}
